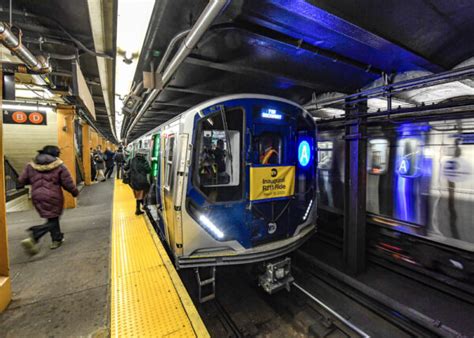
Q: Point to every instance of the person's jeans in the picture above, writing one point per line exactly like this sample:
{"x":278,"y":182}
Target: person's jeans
{"x":109,"y":171}
{"x":51,"y":226}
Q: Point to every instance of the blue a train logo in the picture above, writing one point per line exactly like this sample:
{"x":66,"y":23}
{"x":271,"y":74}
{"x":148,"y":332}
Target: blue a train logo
{"x":304,"y":153}
{"x":404,"y":167}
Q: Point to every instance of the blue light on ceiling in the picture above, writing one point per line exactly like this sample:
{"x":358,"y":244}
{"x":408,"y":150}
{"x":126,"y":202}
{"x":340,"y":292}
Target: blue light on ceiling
{"x":304,"y":153}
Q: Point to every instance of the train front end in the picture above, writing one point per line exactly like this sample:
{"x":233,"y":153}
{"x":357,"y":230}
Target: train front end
{"x":251,"y":190}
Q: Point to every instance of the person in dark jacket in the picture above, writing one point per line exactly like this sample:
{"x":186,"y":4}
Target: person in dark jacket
{"x":139,"y":169}
{"x":99,"y":164}
{"x":109,"y":162}
{"x":47,"y":175}
{"x":93,"y":171}
{"x":119,"y":159}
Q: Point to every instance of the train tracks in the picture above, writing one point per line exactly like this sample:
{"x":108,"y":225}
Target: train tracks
{"x":375,"y":313}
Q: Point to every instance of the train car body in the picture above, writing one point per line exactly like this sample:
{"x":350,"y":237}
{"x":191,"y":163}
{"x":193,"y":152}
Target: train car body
{"x":420,"y":191}
{"x":234,"y":180}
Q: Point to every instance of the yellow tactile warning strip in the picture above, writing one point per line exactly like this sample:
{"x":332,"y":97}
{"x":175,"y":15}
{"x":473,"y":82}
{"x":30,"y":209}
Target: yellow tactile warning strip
{"x":147,"y":295}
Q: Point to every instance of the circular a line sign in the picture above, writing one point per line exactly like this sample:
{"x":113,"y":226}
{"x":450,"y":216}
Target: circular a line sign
{"x":304,"y":153}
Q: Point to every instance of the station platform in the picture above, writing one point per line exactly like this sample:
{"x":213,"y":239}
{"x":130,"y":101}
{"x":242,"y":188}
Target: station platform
{"x":147,"y":295}
{"x":111,"y":277}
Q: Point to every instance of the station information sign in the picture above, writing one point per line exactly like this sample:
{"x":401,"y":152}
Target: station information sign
{"x":23,"y":117}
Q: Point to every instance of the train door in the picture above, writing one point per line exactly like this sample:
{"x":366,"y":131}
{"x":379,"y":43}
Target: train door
{"x":176,"y":149}
{"x":167,"y":180}
{"x":412,"y":172}
{"x":273,"y":144}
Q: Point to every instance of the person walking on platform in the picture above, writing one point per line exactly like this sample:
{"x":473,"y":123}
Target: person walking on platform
{"x":93,"y":171}
{"x":139,"y":168}
{"x":99,"y":164}
{"x":47,"y":175}
{"x":119,"y":159}
{"x":109,"y":163}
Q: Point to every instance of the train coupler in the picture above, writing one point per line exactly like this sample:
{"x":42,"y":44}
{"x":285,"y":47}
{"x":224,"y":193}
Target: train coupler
{"x":277,"y":276}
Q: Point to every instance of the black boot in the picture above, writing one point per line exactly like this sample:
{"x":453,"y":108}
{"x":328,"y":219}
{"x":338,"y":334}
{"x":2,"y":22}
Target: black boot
{"x":138,"y":210}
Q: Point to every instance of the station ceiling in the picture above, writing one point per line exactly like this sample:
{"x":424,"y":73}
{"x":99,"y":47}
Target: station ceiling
{"x":294,"y":49}
{"x":57,"y":28}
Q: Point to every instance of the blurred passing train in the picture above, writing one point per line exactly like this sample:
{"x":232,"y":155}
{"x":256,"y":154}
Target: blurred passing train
{"x":420,"y":192}
{"x":234,"y":182}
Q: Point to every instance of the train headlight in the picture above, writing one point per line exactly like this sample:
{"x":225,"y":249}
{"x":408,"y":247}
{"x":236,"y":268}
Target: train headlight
{"x":308,"y":209}
{"x":211,"y":227}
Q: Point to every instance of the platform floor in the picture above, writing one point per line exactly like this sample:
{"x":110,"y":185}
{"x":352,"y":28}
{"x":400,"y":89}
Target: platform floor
{"x":111,"y":277}
{"x":147,"y":295}
{"x":62,"y":292}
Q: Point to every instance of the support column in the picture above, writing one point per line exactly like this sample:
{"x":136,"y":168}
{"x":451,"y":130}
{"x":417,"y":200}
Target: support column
{"x":94,"y":139}
{"x":66,"y":144}
{"x":355,"y":188}
{"x":5,"y":286}
{"x":86,"y":153}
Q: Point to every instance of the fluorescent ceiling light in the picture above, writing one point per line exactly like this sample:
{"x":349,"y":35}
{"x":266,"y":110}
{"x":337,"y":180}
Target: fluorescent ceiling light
{"x":132,"y":24}
{"x":23,"y":107}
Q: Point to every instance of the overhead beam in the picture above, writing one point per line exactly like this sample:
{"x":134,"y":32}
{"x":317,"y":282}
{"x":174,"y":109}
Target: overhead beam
{"x":196,"y":91}
{"x":171,"y":104}
{"x":248,"y":71}
{"x":162,"y":112}
{"x":101,"y":15}
{"x":310,"y":12}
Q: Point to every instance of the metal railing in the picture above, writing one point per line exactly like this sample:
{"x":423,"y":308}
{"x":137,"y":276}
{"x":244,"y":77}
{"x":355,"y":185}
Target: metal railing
{"x":11,"y":177}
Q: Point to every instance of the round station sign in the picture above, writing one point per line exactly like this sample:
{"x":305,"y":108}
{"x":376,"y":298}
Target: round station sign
{"x":304,"y":153}
{"x":19,"y":117}
{"x":36,"y":118}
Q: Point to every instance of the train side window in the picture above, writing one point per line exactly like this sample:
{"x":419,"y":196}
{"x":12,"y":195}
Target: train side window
{"x":170,"y":141}
{"x":377,"y":156}
{"x":218,"y":164}
{"x":325,"y":150}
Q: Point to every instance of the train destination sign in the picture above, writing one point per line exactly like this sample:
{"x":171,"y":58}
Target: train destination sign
{"x":23,"y":117}
{"x":271,"y":182}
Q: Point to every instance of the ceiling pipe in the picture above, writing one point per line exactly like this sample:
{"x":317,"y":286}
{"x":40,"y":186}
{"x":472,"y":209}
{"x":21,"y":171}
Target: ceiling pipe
{"x":212,"y":10}
{"x":38,"y":64}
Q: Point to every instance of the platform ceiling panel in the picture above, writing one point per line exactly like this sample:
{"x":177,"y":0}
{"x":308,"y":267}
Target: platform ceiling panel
{"x":57,"y":20}
{"x":296,"y":48}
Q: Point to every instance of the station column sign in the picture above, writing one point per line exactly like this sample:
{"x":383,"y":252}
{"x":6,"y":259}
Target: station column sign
{"x":24,"y":117}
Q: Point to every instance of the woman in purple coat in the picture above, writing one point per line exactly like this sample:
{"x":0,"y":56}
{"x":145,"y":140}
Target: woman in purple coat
{"x":47,"y":175}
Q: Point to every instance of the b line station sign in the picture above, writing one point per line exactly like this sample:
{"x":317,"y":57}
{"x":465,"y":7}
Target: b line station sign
{"x":22,"y":117}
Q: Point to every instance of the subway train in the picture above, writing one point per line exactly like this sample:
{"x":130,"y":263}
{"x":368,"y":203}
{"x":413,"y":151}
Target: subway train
{"x":234,"y":181}
{"x":420,"y":192}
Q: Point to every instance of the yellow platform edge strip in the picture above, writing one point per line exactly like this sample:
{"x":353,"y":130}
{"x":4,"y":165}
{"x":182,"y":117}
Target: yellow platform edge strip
{"x":147,"y":295}
{"x":193,"y":314}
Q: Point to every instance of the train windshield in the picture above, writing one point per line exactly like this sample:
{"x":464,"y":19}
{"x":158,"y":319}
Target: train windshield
{"x":269,"y":147}
{"x":219,"y":155}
